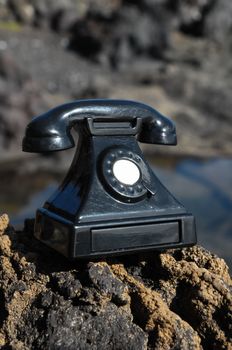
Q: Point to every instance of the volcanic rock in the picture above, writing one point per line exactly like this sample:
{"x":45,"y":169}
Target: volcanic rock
{"x":179,"y":299}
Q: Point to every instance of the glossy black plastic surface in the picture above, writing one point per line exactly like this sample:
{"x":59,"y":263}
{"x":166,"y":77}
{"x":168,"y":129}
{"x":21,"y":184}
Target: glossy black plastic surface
{"x":51,"y":131}
{"x":93,"y":213}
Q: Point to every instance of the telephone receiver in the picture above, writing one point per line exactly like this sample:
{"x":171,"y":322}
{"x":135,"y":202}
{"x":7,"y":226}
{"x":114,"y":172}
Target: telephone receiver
{"x":110,"y":202}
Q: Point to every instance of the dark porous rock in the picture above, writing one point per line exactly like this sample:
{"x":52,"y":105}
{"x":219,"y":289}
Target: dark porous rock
{"x":219,"y":22}
{"x":128,"y":33}
{"x":180,"y":299}
{"x":38,"y":81}
{"x":73,"y":328}
{"x":23,"y":10}
{"x":10,"y":69}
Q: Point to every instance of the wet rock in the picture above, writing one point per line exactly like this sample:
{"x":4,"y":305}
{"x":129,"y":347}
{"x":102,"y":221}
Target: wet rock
{"x":178,"y":299}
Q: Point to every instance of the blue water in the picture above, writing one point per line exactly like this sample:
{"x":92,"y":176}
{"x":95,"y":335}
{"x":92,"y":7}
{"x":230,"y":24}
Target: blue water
{"x":204,"y":187}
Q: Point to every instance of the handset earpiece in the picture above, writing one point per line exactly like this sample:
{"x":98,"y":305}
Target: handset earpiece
{"x":51,"y":131}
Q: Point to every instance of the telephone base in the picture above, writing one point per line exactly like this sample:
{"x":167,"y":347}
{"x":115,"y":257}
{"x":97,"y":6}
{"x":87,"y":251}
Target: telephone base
{"x":98,"y":239}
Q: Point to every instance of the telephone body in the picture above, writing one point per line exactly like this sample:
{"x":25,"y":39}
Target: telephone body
{"x":110,"y":202}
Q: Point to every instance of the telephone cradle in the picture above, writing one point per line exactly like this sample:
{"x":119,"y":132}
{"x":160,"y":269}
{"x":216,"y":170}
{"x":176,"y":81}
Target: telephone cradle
{"x":110,"y":202}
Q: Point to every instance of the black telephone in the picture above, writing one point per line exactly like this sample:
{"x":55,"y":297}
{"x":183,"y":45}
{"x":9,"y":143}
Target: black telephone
{"x":110,"y":202}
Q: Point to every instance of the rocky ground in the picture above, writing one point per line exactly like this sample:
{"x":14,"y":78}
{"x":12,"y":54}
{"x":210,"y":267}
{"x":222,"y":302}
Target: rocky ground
{"x":180,"y":299}
{"x":175,"y":56}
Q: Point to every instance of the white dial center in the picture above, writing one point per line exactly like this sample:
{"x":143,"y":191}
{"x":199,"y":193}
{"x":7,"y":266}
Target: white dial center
{"x":126,"y":171}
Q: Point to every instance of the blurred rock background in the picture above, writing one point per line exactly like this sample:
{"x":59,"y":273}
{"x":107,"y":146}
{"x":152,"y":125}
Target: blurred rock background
{"x":173,"y":55}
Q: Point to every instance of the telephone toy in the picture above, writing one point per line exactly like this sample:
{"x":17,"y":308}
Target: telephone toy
{"x":110,"y":202}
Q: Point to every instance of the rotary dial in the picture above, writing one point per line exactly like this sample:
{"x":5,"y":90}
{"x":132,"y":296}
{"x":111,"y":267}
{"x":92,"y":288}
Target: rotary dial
{"x":123,"y":174}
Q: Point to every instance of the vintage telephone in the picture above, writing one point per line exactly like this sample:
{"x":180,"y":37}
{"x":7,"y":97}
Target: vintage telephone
{"x":110,"y":202}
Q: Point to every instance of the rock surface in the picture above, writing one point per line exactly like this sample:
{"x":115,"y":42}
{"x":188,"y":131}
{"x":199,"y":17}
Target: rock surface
{"x":180,"y":299}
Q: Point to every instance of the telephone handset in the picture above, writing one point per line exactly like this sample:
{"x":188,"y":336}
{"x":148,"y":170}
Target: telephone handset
{"x":110,"y":202}
{"x":51,"y":131}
